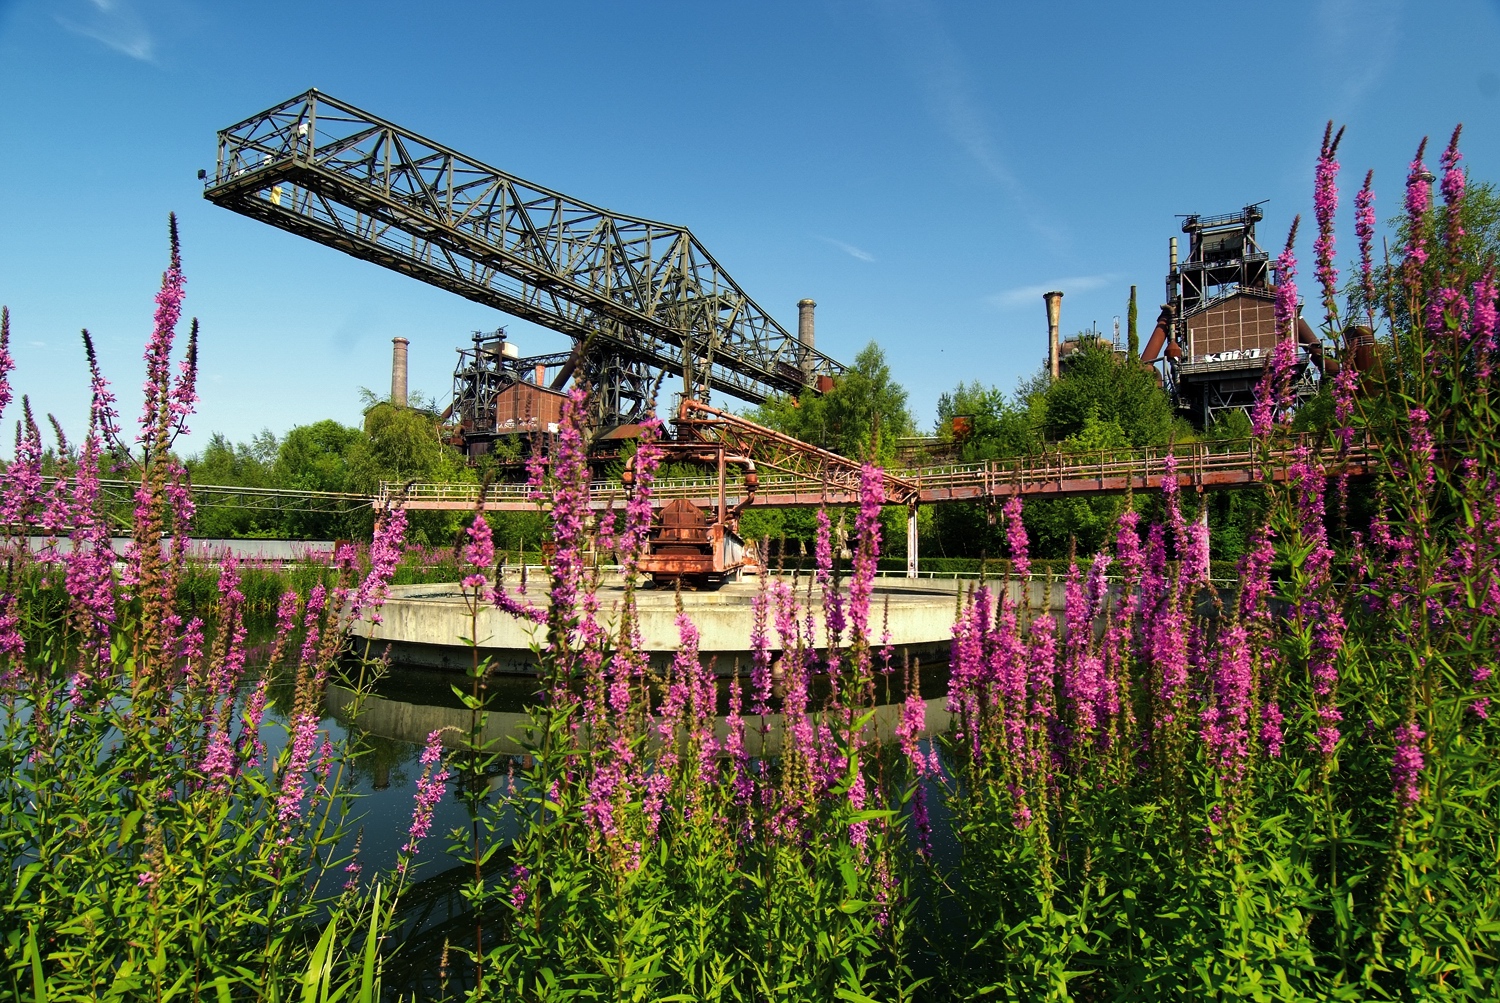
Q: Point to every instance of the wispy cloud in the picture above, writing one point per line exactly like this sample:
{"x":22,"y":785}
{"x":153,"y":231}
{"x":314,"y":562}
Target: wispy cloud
{"x":849,"y":249}
{"x":1009,"y":299}
{"x":115,"y":23}
{"x":942,"y":72}
{"x":1360,"y":39}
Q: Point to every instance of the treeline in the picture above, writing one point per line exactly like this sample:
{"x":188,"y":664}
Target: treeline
{"x":1103,"y":400}
{"x":392,"y":444}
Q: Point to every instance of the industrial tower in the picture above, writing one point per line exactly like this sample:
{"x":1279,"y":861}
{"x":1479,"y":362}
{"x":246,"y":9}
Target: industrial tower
{"x":1220,"y":318}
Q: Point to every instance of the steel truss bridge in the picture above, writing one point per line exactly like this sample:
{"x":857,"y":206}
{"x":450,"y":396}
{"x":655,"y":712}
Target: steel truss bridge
{"x":1198,"y":467}
{"x":639,"y":298}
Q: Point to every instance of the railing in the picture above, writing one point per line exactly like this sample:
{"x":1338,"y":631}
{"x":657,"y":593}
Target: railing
{"x":1201,"y":464}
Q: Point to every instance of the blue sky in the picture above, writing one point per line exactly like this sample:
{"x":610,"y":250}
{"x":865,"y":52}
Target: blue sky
{"x":924,"y":170}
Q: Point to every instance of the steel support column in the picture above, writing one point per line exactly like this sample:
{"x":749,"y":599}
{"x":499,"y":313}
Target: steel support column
{"x":911,"y":541}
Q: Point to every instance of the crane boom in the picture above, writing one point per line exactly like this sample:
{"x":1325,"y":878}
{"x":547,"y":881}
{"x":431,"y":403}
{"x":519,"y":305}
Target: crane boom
{"x":637,"y":293}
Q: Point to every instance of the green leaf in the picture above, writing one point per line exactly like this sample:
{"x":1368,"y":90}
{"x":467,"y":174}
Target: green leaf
{"x":38,"y":983}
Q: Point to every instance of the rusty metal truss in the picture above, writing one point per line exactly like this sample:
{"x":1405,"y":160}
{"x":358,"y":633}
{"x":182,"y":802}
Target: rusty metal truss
{"x":634,"y":291}
{"x":1200,"y":466}
{"x":790,"y":456}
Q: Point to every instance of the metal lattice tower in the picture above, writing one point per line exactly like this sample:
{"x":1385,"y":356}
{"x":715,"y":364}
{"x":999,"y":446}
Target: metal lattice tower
{"x":640,"y":297}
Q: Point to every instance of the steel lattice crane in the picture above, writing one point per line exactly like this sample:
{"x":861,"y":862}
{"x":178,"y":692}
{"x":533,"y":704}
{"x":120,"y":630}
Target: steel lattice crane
{"x":639,"y":298}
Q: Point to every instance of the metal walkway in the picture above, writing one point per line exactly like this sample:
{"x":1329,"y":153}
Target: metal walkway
{"x":1199,"y":466}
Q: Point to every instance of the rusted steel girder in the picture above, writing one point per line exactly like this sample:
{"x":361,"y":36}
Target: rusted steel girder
{"x":778,"y":451}
{"x":1056,"y":476}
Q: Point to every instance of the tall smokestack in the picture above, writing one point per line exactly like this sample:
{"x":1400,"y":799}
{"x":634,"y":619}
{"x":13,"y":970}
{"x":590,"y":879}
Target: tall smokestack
{"x":1054,"y":314}
{"x":805,"y":335}
{"x":398,"y":371}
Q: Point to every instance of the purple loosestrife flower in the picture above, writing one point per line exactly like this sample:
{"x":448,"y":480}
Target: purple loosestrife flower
{"x":741,"y":781}
{"x":1364,"y":231}
{"x":1226,"y":719}
{"x":823,"y":548}
{"x":7,"y":364}
{"x":1482,"y":325}
{"x":385,"y":553}
{"x":1168,"y":637}
{"x":251,"y":747}
{"x":315,"y":602}
{"x":1407,"y":763}
{"x":1418,"y":202}
{"x":631,"y":541}
{"x":90,"y":559}
{"x":1128,"y":552}
{"x":1006,"y":656}
{"x":912,"y":725}
{"x":833,"y":599}
{"x":760,"y":649}
{"x":1015,"y":537}
{"x":218,"y":763}
{"x":501,"y":598}
{"x":1041,"y":675}
{"x":479,"y":552}
{"x":23,"y":477}
{"x":1255,"y":574}
{"x":1271,"y":394}
{"x":231,"y":663}
{"x":968,"y":664}
{"x":921,"y":821}
{"x":698,"y":695}
{"x":429,"y":792}
{"x":1083,"y":671}
{"x":11,"y":642}
{"x":1423,"y":452}
{"x":859,"y":832}
{"x":867,"y":554}
{"x":102,"y":414}
{"x":1325,"y":204}
{"x":355,"y":865}
{"x":599,"y":802}
{"x":286,"y":616}
{"x":1326,"y":732}
{"x":1271,"y":734}
{"x":1453,"y":191}
{"x":294,"y":777}
{"x":519,"y":873}
{"x":184,"y":394}
{"x":156,"y":389}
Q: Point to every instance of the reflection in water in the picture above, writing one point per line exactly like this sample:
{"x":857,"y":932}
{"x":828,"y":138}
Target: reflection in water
{"x":386,"y":731}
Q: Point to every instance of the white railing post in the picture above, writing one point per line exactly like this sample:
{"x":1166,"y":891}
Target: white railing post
{"x":911,"y":540}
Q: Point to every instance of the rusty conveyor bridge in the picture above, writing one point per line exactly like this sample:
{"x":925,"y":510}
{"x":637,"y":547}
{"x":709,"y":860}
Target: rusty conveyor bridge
{"x":1199,"y":466}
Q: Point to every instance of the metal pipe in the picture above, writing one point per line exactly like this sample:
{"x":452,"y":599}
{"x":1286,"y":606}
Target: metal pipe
{"x":1309,"y":340}
{"x":1158,"y":335}
{"x":398,"y":371}
{"x":1054,"y":316}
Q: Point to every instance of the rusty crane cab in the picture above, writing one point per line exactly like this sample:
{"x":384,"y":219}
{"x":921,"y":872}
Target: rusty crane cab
{"x":695,"y":547}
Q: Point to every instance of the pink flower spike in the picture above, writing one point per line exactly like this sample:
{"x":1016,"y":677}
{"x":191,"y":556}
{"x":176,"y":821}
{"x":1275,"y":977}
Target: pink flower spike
{"x":430,"y":788}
